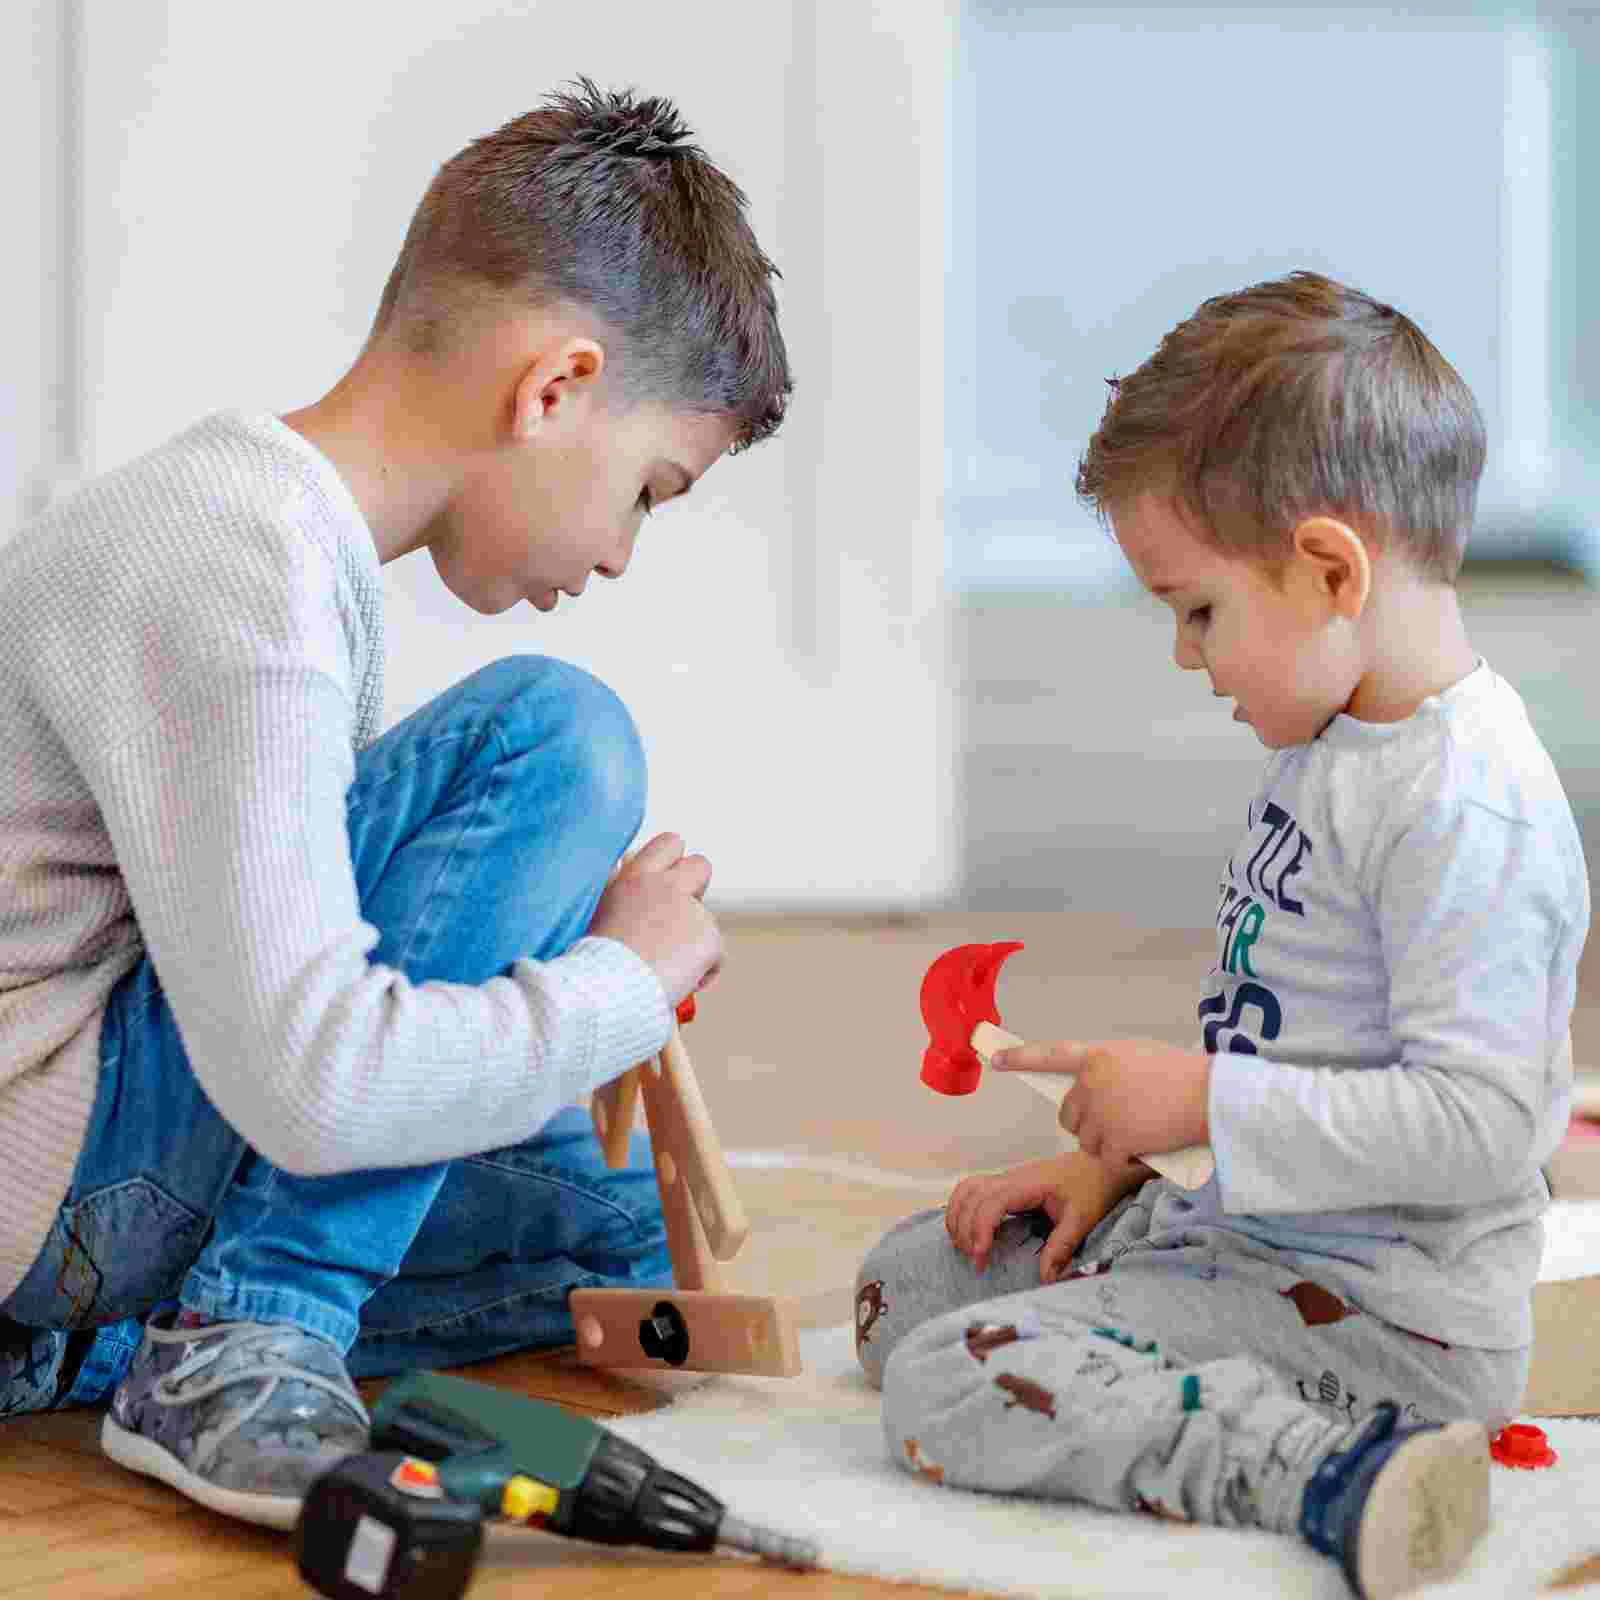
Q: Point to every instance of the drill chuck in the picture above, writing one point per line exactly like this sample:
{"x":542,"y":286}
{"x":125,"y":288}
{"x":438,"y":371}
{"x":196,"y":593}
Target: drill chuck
{"x":628,"y":1498}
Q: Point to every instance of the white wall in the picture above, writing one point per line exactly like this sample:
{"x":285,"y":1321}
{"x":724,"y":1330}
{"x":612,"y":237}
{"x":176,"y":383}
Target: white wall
{"x":783,"y":636}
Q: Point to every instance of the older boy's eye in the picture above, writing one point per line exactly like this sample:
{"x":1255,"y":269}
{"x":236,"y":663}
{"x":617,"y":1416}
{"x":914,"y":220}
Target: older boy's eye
{"x":1200,"y":613}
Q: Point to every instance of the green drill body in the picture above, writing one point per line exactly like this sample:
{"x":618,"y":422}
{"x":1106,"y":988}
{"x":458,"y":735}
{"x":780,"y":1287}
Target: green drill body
{"x":480,"y":1438}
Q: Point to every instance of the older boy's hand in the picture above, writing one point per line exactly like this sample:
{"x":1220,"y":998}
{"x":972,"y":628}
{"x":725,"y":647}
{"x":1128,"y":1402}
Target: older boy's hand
{"x":1132,"y":1097}
{"x":653,"y":905}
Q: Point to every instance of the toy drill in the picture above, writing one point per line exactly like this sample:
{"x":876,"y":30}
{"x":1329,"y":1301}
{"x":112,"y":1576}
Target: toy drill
{"x":405,"y":1522}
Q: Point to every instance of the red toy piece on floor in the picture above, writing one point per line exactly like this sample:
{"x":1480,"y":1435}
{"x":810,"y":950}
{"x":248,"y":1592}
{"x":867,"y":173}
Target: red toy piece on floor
{"x":1520,"y":1444}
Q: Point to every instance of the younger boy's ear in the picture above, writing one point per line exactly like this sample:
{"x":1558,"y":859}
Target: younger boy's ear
{"x":1339,"y":561}
{"x":557,"y":388}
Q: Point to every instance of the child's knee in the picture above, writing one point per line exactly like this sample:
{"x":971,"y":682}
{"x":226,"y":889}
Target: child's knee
{"x":938,"y":1372}
{"x":915,"y":1273}
{"x":605,"y":744}
{"x":909,"y":1397}
{"x":886,"y":1268}
{"x":578,"y":721}
{"x":872,"y":1303}
{"x":904,"y":1407}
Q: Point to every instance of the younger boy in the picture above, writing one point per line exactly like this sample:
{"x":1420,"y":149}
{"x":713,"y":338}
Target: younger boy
{"x":1318,"y":1339}
{"x":292,"y":1017}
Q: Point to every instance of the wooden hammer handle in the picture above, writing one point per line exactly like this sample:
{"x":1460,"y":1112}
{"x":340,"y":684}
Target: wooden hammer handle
{"x":986,"y":1039}
{"x":1190,"y":1168}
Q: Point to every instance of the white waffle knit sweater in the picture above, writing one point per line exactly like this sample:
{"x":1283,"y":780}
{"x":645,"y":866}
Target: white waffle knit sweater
{"x":191,"y":652}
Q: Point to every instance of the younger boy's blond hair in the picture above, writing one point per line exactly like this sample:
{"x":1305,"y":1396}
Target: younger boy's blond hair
{"x":1296,"y":398}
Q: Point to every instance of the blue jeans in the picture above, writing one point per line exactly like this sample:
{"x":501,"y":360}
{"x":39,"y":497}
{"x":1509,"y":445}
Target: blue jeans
{"x":482,"y":828}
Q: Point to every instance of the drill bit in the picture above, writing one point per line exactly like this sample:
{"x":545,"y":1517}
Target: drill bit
{"x":780,"y":1548}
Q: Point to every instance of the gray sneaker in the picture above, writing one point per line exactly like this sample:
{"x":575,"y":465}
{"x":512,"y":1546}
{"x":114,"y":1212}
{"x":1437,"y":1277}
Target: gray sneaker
{"x":240,"y":1416}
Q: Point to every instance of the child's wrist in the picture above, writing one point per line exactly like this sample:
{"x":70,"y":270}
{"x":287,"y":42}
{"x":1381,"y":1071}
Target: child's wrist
{"x":1132,"y":1174}
{"x":1121,"y":1177}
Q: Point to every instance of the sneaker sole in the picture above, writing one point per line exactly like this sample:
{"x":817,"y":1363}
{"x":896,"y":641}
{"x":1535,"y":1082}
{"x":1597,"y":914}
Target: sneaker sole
{"x":139,"y":1454}
{"x":1427,"y":1508}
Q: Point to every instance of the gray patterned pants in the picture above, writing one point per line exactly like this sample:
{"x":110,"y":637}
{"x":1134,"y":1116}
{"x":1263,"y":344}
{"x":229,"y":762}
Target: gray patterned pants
{"x":1174,"y":1376}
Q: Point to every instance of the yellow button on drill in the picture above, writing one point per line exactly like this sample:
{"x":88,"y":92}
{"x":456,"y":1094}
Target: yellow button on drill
{"x":523,"y":1498}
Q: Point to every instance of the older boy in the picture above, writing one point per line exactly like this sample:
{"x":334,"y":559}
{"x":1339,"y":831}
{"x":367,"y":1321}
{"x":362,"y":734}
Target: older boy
{"x":292,"y":1017}
{"x":1385,"y":1057}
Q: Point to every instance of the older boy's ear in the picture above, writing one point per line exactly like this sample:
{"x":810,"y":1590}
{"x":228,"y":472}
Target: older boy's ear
{"x":1339,"y":561}
{"x":556,"y":387}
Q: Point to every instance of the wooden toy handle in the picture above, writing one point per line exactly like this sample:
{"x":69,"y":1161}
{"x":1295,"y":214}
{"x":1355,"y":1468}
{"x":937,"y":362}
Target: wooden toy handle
{"x":986,"y":1039}
{"x":694,"y":1263}
{"x":681,"y":1129}
{"x":612,"y":1105}
{"x":611,"y":1109}
{"x":1190,"y":1168}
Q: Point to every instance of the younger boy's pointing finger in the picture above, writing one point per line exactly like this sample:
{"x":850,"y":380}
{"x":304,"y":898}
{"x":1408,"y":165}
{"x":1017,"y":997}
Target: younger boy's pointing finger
{"x":1066,"y":1055}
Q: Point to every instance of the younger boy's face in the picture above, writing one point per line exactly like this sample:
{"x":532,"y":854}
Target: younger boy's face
{"x":1281,"y":656}
{"x":539,"y":517}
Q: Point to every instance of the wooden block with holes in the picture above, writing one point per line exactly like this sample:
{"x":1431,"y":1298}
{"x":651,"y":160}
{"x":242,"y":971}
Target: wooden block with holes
{"x":692,"y":1330}
{"x":696,"y":1325}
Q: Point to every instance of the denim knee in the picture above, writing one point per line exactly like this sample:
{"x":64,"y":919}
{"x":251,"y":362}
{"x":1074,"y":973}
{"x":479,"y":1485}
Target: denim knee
{"x":556,"y":708}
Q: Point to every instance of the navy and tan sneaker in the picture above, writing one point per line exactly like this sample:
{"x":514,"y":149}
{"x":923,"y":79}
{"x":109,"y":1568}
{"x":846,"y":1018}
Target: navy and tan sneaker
{"x":240,"y":1416}
{"x":1400,"y":1507}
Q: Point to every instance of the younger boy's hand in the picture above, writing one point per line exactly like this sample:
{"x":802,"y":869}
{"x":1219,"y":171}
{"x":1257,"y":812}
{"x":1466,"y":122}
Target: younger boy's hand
{"x":1132,"y":1096}
{"x":1074,"y":1189}
{"x":653,"y":905}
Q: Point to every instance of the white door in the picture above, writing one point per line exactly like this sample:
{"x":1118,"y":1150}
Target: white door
{"x":781,"y":637}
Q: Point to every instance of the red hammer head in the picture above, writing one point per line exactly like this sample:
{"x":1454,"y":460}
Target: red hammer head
{"x":958,"y":994}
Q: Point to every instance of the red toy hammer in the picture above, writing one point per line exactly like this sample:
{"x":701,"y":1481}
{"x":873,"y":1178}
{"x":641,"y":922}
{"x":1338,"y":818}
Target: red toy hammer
{"x":964,"y":1031}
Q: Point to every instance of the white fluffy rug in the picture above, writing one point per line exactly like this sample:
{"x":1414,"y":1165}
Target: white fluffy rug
{"x":807,"y":1455}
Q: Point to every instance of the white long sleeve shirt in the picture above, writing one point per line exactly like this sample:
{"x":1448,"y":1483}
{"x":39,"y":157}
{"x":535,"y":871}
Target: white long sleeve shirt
{"x":1389,"y":1014}
{"x":191,"y":652}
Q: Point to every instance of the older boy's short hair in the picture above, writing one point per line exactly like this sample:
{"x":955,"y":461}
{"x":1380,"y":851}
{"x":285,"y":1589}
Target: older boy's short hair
{"x":1292,"y":399}
{"x":598,"y":200}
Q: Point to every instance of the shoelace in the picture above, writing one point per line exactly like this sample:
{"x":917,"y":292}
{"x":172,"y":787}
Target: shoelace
{"x":164,"y":1391}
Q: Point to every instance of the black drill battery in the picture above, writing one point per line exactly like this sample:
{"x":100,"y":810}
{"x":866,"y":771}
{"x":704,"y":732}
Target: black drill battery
{"x":380,"y":1525}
